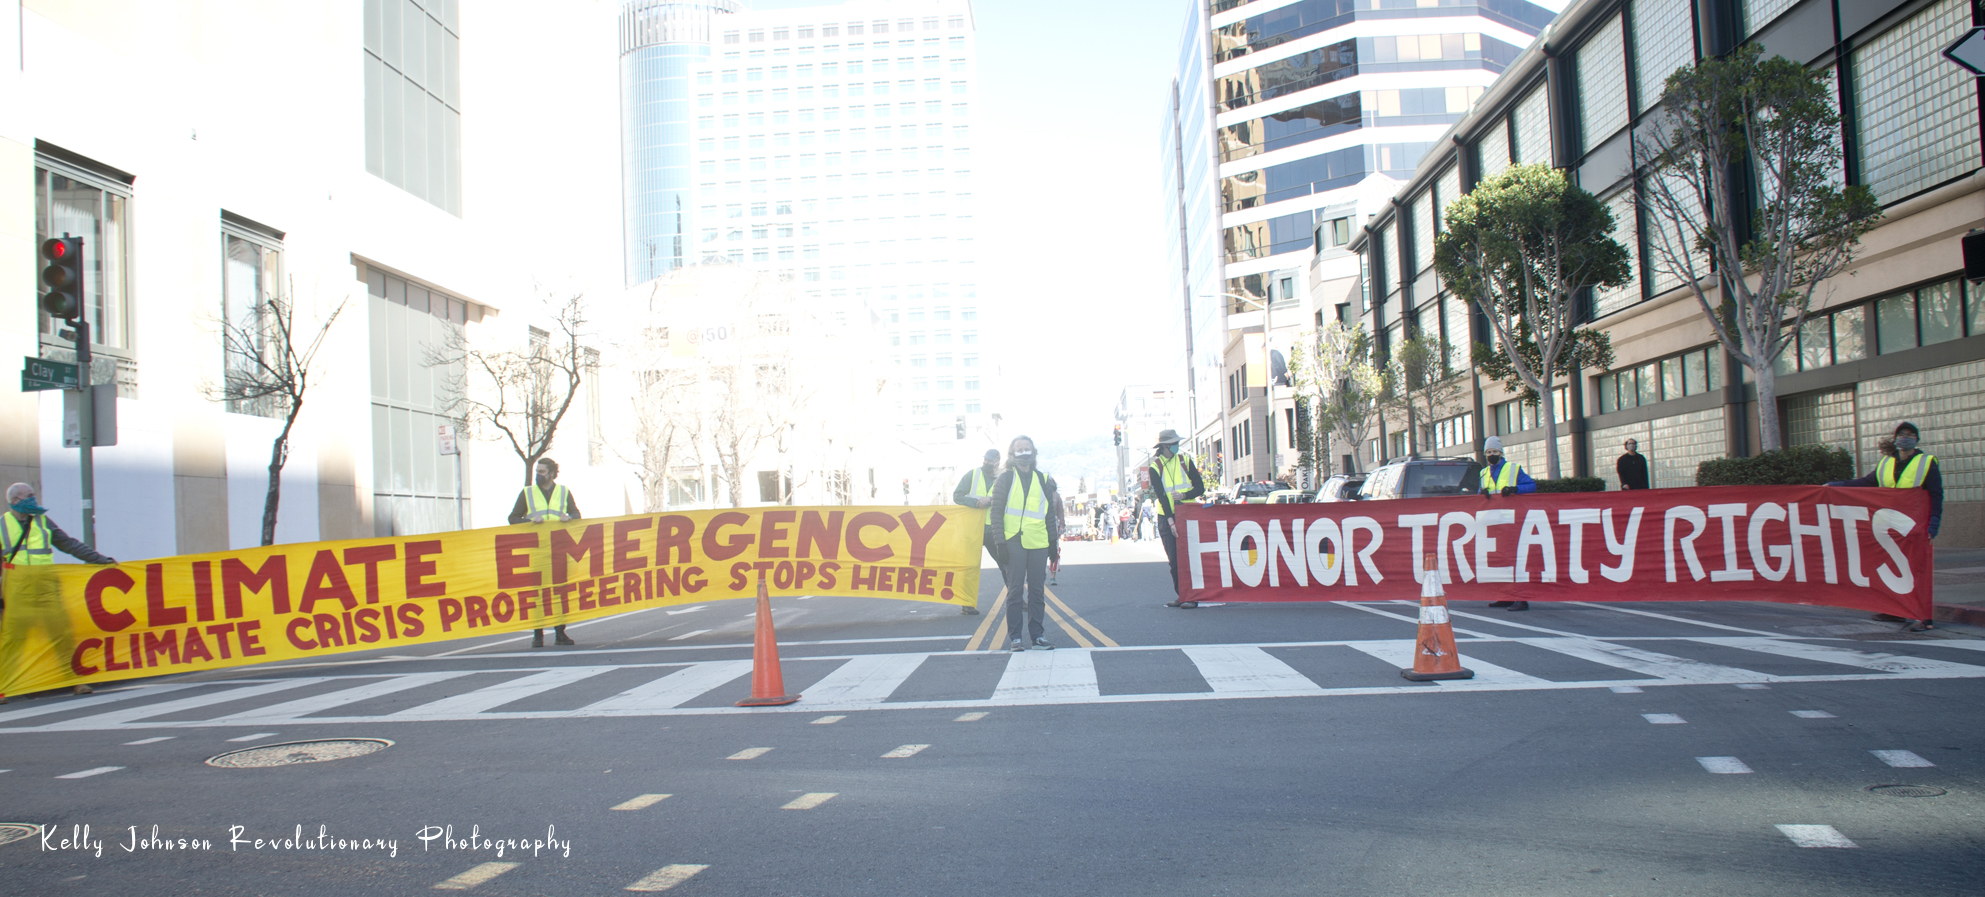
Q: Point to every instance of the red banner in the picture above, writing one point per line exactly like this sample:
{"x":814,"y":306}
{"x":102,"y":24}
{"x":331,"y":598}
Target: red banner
{"x":1860,"y":548}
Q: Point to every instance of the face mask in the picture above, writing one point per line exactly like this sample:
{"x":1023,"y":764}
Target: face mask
{"x":1905,"y":443}
{"x":29,"y":506}
{"x":1023,"y":457}
{"x":1494,"y":457}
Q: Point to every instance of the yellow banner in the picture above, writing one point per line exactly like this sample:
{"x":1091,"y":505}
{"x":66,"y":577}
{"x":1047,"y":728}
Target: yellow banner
{"x":67,"y":624}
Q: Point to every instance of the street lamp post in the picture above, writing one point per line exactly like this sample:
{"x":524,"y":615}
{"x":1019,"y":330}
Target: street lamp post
{"x":1264,"y":465}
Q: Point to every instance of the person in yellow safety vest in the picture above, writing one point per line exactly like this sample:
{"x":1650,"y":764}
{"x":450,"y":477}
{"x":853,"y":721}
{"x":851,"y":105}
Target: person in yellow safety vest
{"x":539,"y":502}
{"x":29,"y":538}
{"x":1500,"y":477}
{"x":975,"y":491}
{"x":1904,"y":466}
{"x":1174,"y":482}
{"x":1023,"y":504}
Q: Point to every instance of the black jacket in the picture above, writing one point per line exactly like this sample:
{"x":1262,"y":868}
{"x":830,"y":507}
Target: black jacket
{"x":1632,"y":468}
{"x":997,"y":520}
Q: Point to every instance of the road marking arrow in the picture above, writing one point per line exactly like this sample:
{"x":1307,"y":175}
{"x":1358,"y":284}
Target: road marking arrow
{"x":1969,"y":51}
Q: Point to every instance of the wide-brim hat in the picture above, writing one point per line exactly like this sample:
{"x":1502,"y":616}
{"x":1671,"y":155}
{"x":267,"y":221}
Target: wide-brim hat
{"x":1168,"y":437}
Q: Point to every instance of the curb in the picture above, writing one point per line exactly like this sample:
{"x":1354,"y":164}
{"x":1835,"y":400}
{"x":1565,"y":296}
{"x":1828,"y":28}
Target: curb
{"x":1959,"y":613}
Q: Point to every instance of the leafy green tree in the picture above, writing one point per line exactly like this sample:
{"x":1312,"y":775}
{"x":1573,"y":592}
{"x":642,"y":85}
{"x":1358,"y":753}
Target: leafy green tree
{"x":1523,"y":246}
{"x":1729,"y":125}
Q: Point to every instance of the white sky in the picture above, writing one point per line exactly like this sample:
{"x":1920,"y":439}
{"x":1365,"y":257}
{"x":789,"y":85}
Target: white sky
{"x":1066,"y":157}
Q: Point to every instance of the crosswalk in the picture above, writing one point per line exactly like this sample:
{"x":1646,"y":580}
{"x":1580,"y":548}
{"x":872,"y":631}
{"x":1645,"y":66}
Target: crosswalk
{"x":968,"y":680}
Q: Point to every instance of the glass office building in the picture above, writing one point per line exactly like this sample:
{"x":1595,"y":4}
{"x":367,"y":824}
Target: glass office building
{"x":661,"y":41}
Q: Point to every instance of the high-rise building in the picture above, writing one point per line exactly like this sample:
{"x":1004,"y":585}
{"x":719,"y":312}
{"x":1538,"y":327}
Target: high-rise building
{"x":833,"y":148}
{"x":1308,"y":112}
{"x":661,"y":41}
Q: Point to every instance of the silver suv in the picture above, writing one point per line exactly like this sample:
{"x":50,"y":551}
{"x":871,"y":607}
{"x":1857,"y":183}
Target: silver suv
{"x":1423,"y":478}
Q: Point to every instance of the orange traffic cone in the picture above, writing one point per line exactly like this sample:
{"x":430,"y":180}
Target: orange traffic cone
{"x":768,"y":687}
{"x":1434,"y":653}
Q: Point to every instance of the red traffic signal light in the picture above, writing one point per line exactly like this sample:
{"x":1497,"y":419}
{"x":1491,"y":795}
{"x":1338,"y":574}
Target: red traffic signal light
{"x":63,"y":277}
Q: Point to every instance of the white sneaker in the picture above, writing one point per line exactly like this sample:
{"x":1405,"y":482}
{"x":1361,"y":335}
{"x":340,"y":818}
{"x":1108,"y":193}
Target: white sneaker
{"x":1017,"y":645}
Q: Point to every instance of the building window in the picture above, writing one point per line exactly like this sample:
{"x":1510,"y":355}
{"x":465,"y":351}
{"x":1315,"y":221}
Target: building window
{"x":416,"y":383}
{"x":77,"y":201}
{"x":1602,"y":84}
{"x":1457,"y":430}
{"x":1533,"y":129}
{"x":251,"y":275}
{"x":413,"y":102}
{"x":1908,"y":145}
{"x":1608,"y":301}
{"x":1661,"y":45}
{"x":1691,"y":373}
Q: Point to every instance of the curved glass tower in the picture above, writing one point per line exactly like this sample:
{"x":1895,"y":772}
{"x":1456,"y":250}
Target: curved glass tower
{"x":660,"y":41}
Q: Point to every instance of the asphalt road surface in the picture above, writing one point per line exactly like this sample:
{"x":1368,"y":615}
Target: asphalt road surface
{"x":1241,"y":749}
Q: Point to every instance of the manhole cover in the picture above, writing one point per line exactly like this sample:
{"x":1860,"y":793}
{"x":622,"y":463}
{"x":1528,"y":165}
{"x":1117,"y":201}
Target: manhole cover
{"x":294,"y":752}
{"x":1906,"y":790}
{"x":15,"y":831}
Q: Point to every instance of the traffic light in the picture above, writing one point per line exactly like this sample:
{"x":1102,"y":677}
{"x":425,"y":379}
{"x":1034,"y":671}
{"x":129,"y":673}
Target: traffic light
{"x":1119,"y":436}
{"x":63,"y":277}
{"x":961,"y":426}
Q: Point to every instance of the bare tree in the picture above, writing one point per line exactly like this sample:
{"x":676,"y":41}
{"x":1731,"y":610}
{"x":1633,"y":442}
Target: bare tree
{"x":1727,"y":123}
{"x":665,"y":428}
{"x":1423,"y":383}
{"x":521,"y":394}
{"x":1523,"y":246}
{"x":1337,"y":374}
{"x":267,"y":373}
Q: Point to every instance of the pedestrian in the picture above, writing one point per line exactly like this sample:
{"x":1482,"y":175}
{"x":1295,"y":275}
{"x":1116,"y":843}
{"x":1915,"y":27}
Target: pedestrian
{"x":1904,"y":466}
{"x":541,"y":501}
{"x":975,"y":491}
{"x":1632,"y":467}
{"x":29,"y":538}
{"x":1502,"y":477}
{"x":1174,"y":481}
{"x":1022,"y":499}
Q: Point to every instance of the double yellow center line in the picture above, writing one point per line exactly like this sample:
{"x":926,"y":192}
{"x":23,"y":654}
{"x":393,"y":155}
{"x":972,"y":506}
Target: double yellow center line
{"x":987,"y":637}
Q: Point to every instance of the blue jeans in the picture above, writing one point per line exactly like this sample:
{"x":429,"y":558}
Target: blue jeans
{"x":1026,"y":574}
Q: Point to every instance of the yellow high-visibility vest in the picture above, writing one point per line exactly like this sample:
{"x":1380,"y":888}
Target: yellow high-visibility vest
{"x":980,"y":487}
{"x":541,"y":506}
{"x":1176,"y":483}
{"x":1909,"y":477}
{"x":1027,"y":515}
{"x":40,"y":547}
{"x":1499,"y":482}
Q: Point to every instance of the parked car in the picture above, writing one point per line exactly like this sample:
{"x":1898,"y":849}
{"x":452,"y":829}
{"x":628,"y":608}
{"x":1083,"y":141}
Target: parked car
{"x":1256,"y":493}
{"x":1423,"y":478}
{"x":1290,"y":496}
{"x":1341,"y":487}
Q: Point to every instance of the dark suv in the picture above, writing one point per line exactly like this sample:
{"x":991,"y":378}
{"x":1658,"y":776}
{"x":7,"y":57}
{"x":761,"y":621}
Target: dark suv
{"x":1423,"y":478}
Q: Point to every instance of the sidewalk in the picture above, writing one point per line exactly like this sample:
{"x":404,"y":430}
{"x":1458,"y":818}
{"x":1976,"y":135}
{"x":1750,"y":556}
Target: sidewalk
{"x":1960,"y":585}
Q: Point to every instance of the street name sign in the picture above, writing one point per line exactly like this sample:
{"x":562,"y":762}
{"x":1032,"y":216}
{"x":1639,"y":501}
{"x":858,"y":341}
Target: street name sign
{"x":40,"y":373}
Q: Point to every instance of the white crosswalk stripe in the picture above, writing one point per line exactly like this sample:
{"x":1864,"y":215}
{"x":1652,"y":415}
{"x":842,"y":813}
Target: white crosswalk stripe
{"x":1047,"y":677}
{"x":1248,"y":670}
{"x":670,"y":691}
{"x":870,"y":681}
{"x":864,"y":680}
